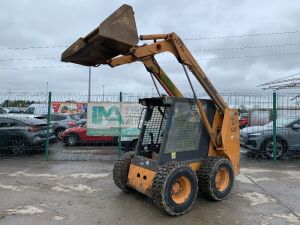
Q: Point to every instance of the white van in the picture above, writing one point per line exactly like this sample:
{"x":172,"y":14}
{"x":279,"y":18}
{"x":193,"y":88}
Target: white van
{"x":38,"y":109}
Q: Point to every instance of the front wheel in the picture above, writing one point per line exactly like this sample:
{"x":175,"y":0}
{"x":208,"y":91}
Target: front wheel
{"x":72,"y":140}
{"x":174,"y":188}
{"x":268,"y":148}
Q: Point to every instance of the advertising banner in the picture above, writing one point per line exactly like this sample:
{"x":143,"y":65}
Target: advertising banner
{"x":113,"y":119}
{"x":69,"y":107}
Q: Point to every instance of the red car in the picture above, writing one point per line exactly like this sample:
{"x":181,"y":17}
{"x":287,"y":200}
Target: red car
{"x":77,"y":135}
{"x":244,"y":120}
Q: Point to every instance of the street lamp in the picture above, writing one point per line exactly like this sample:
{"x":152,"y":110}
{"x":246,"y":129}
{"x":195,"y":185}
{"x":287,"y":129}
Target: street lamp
{"x":103,"y":93}
{"x":89,"y":91}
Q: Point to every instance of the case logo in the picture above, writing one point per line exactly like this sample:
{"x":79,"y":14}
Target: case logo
{"x":173,"y":155}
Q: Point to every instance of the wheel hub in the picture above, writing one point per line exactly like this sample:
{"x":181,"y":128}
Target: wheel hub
{"x":222,"y":179}
{"x":181,"y":189}
{"x":279,"y":149}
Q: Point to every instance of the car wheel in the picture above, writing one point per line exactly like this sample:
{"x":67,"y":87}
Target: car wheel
{"x":268,"y":148}
{"x":72,"y":140}
{"x":18,"y":146}
{"x":58,"y":133}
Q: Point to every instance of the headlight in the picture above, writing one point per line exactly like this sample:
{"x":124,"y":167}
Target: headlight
{"x":254,"y":134}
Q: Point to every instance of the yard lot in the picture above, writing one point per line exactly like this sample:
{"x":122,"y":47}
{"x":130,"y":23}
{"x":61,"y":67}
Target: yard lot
{"x":33,"y":191}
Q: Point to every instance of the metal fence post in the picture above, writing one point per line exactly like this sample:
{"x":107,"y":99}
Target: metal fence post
{"x":120,"y":125}
{"x":48,"y":126}
{"x":274,"y":113}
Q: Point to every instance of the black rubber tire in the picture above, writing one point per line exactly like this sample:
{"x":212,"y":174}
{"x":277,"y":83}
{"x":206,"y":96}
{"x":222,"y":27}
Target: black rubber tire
{"x":207,"y":175}
{"x":121,"y":169}
{"x":72,"y":140}
{"x":270,"y":154}
{"x":162,"y":188}
{"x":133,"y":144}
{"x":58,"y":131}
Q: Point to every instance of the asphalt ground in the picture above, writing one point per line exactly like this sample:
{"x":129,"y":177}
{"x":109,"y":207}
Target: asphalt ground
{"x":35,"y":192}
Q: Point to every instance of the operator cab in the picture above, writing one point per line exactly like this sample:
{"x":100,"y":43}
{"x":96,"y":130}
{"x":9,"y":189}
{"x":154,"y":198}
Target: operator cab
{"x":172,"y":129}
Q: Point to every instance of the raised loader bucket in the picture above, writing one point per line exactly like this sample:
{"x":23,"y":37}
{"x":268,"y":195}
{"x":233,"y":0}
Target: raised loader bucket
{"x":114,"y":36}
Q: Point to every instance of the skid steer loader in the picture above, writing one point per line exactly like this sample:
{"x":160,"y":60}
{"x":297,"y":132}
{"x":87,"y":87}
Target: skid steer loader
{"x":185,"y":144}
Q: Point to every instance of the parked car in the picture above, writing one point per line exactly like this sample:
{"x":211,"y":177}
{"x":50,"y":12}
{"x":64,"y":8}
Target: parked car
{"x":2,"y":111}
{"x":244,"y":120}
{"x":19,"y":133}
{"x":38,"y":109}
{"x":62,"y":121}
{"x":78,"y":135}
{"x":258,"y":139}
{"x":14,"y":110}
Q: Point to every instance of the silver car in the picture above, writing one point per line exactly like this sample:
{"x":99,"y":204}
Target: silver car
{"x":259,"y":139}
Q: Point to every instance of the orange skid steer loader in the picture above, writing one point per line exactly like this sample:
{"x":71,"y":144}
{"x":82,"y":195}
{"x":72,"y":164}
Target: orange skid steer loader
{"x":185,"y":144}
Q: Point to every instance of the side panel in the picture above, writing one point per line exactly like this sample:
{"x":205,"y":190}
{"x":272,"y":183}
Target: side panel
{"x":195,"y":166}
{"x":230,"y":137}
{"x":141,"y":179}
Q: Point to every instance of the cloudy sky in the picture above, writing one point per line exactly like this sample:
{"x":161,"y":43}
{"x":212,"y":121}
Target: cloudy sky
{"x":34,"y":29}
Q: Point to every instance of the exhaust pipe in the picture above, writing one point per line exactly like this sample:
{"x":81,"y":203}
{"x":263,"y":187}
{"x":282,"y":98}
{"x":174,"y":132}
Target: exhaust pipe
{"x":114,"y":36}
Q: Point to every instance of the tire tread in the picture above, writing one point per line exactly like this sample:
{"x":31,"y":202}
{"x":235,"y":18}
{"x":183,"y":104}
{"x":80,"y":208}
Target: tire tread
{"x":120,"y":171}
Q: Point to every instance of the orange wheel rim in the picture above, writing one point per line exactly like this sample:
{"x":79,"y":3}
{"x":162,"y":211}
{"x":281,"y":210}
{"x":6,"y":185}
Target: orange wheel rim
{"x":181,"y":189}
{"x":222,"y":179}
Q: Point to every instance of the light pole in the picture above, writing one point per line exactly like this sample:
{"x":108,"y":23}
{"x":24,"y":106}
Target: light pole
{"x":103,"y":93}
{"x":47,"y":92}
{"x":89,"y":90}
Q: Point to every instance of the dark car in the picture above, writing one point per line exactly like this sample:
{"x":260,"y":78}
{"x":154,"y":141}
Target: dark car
{"x":19,"y":133}
{"x":259,"y":139}
{"x":82,"y":117}
{"x":2,"y":111}
{"x":78,"y":135}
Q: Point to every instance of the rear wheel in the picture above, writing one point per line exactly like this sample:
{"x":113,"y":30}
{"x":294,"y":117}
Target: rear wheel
{"x":72,"y":140}
{"x":216,"y":178}
{"x":174,"y":188}
{"x":121,"y":169}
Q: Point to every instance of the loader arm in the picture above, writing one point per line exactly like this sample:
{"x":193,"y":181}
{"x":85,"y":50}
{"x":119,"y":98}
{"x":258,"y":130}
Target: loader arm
{"x":173,"y":44}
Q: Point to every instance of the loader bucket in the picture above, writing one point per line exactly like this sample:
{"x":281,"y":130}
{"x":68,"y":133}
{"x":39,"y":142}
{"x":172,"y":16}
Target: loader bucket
{"x":114,"y":36}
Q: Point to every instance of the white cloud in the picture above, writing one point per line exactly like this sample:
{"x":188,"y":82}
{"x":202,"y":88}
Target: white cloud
{"x":49,"y":23}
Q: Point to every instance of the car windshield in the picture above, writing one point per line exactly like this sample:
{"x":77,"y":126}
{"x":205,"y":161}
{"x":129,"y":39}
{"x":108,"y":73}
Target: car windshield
{"x":281,"y":122}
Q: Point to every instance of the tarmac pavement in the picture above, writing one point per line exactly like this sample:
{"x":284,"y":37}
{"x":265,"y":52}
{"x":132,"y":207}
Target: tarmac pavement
{"x":35,"y":192}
